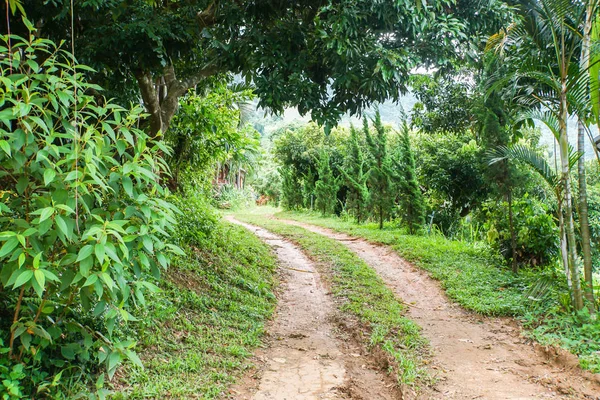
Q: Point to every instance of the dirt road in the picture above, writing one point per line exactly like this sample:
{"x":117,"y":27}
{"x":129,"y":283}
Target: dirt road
{"x":308,"y":358}
{"x":474,"y":357}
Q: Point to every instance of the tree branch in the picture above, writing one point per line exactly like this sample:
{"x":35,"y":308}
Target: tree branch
{"x":151,"y":101}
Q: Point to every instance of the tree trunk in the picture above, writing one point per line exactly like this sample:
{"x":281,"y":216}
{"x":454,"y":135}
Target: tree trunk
{"x":161,"y":96}
{"x":581,"y":133}
{"x":566,"y":179}
{"x":513,"y":236}
{"x":563,"y":249}
{"x":584,"y":222}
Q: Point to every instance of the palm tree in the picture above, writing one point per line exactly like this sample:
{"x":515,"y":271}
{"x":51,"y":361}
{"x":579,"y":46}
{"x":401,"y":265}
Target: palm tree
{"x":583,"y":123}
{"x":539,"y":164}
{"x":543,"y":48}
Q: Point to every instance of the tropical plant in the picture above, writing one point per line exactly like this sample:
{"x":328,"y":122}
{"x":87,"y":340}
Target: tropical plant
{"x":539,"y":164}
{"x":535,"y":232}
{"x":83,"y":223}
{"x":587,"y":58}
{"x":206,"y":130}
{"x":543,"y":49}
{"x":451,"y":169}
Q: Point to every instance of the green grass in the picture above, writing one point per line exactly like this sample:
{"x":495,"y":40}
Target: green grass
{"x":476,"y":279}
{"x":199,"y":332}
{"x":469,"y":273}
{"x":363,"y":295}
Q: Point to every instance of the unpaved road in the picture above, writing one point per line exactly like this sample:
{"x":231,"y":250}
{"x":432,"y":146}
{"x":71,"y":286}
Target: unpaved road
{"x":474,"y":357}
{"x":307,"y":357}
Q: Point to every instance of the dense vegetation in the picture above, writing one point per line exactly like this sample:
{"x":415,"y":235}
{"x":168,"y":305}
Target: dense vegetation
{"x":197,"y":333}
{"x":123,"y":124}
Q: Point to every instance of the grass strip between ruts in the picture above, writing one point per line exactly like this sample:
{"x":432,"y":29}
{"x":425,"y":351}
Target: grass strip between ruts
{"x":365,"y":296}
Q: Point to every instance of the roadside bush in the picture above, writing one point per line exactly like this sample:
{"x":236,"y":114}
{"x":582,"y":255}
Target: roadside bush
{"x":268,"y":184}
{"x":83,"y":225}
{"x":230,"y":197}
{"x":195,"y":221}
{"x":536,"y":232}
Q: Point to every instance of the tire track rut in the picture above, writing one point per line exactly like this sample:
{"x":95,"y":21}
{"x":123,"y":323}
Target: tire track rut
{"x":305,"y":358}
{"x":474,"y":357}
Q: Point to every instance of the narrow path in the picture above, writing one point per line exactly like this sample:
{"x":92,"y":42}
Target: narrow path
{"x":474,"y":357}
{"x":306,"y":358}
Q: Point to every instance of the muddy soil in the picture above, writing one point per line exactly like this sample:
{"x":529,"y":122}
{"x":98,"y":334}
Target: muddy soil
{"x":308,"y":357}
{"x":474,"y":357}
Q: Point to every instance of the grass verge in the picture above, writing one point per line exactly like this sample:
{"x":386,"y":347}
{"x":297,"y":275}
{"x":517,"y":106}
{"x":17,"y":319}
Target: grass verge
{"x":200,"y":330}
{"x":365,"y":296}
{"x":476,"y":279}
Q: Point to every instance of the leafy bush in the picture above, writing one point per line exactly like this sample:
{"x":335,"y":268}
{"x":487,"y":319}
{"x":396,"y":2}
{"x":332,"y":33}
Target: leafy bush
{"x":535,"y":229}
{"x":82,"y":224}
{"x":196,"y":221}
{"x":268,"y":184}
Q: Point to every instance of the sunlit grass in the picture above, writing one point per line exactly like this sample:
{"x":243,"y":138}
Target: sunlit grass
{"x":199,"y":332}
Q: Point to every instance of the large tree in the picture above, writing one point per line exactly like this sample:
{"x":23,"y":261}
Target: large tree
{"x":324,"y":56}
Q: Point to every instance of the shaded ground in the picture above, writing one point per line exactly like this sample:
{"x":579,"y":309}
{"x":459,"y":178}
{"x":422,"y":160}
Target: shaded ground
{"x":308,"y":357}
{"x":474,"y":357}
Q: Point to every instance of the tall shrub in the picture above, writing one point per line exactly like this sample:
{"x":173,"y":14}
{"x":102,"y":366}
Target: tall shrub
{"x":291,"y":192}
{"x":356,"y":174}
{"x":380,"y":181}
{"x":327,"y":186}
{"x":83,"y":225}
{"x":411,"y":204}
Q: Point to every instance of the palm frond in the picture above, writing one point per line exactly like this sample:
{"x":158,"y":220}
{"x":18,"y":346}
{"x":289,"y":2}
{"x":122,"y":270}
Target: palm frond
{"x":526,"y":155}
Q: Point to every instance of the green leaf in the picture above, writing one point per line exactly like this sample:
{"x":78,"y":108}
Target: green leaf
{"x":128,"y":186}
{"x":23,"y":278}
{"x":49,"y":175}
{"x":46,"y":213}
{"x":100,"y":252}
{"x":37,"y":259}
{"x":133,"y":357}
{"x":5,"y":146}
{"x":113,"y":361}
{"x":107,"y":280}
{"x":62,"y":225}
{"x":90,"y":280}
{"x":162,"y":260}
{"x":9,"y":246}
{"x":176,"y":249}
{"x":40,"y":277}
{"x":41,"y":332}
{"x":148,"y":245}
{"x":85,"y":252}
{"x":66,"y":208}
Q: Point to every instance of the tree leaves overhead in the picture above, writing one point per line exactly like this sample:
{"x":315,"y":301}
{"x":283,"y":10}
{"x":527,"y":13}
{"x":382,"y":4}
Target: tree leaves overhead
{"x":326,"y":57}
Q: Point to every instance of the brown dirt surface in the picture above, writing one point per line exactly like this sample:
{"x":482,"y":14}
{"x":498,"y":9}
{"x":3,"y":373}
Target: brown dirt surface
{"x":474,"y":357}
{"x":307,"y":357}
